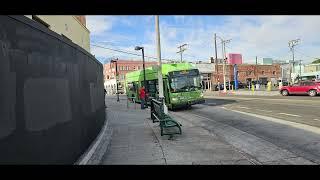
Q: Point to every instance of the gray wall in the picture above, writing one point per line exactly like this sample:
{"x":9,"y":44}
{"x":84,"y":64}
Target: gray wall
{"x":51,"y":95}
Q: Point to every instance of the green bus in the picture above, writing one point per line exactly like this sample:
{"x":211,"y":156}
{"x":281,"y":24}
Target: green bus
{"x":181,"y":84}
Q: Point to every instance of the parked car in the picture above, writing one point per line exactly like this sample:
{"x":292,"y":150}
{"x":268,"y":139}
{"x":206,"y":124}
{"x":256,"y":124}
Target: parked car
{"x":216,"y":87}
{"x":307,"y":87}
{"x":240,"y":85}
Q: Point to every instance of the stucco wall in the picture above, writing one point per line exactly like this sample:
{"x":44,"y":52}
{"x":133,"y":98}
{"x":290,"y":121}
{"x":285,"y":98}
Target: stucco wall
{"x":51,"y":95}
{"x":70,"y":27}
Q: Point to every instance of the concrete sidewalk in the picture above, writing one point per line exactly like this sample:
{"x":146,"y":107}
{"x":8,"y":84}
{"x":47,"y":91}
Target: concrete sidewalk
{"x":136,"y":140}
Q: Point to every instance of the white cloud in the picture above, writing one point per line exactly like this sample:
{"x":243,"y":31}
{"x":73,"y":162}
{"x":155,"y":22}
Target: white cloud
{"x":99,"y":24}
{"x":262,"y":36}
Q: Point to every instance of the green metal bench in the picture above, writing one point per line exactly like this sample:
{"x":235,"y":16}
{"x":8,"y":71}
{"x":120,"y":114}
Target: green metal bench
{"x":165,"y":121}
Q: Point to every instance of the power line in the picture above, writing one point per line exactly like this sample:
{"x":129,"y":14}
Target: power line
{"x":126,"y":52}
{"x":195,"y":56}
{"x":306,"y":55}
{"x":181,"y":50}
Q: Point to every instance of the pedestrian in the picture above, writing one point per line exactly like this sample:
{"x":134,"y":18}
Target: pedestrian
{"x":105,"y":92}
{"x":142,"y":95}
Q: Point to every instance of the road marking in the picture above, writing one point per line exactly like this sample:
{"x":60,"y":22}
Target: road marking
{"x":290,"y":114}
{"x":316,"y":119}
{"x":243,"y":107}
{"x":263,"y":110}
{"x":268,"y":98}
{"x":280,"y":121}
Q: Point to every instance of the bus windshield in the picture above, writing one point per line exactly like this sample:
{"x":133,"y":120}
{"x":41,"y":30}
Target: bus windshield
{"x":185,"y":83}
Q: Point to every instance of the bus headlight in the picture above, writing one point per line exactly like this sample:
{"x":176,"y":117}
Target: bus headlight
{"x":175,"y":99}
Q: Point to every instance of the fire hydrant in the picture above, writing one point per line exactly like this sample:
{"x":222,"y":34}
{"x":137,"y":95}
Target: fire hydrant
{"x":269,"y":86}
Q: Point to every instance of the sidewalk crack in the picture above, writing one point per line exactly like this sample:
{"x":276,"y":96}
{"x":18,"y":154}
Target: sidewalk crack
{"x":158,"y":141}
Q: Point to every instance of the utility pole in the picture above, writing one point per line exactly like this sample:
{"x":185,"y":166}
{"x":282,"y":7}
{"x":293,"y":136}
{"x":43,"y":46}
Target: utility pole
{"x":300,"y":68}
{"x":292,"y":44}
{"x":160,"y":80}
{"x":224,"y":54}
{"x":256,"y":73}
{"x":282,"y":73}
{"x":223,"y":67}
{"x":181,"y":49}
{"x":216,"y":53}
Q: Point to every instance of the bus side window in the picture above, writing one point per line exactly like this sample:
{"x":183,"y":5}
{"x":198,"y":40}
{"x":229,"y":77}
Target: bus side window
{"x":131,"y":86}
{"x":134,"y":86}
{"x":151,"y":86}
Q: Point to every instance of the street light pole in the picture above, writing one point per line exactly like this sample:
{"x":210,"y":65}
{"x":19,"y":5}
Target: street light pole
{"x":117,"y":92}
{"x":137,"y":48}
{"x":144,"y":74}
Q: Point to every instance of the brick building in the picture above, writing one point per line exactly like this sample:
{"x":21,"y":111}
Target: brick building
{"x":124,"y":66}
{"x":82,"y":20}
{"x":249,"y":72}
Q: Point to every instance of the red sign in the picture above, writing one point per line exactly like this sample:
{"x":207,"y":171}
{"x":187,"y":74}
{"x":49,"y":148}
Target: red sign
{"x":234,"y":58}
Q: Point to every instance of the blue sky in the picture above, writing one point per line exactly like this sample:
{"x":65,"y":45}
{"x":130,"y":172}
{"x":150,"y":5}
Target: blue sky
{"x":262,"y":36}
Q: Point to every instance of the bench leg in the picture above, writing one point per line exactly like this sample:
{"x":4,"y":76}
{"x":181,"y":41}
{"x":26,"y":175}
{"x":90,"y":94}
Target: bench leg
{"x":161,"y":129}
{"x":180,"y":129}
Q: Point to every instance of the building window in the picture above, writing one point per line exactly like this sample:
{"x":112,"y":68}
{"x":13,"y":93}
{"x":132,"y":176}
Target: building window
{"x":138,"y":67}
{"x":36,"y":18}
{"x":274,"y":72}
{"x":262,"y":72}
{"x":134,"y":67}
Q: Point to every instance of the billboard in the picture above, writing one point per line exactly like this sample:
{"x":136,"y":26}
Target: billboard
{"x":267,"y":61}
{"x":234,"y":58}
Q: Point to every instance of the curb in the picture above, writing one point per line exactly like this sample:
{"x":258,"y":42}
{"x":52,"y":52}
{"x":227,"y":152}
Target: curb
{"x":97,"y":149}
{"x":242,"y":94}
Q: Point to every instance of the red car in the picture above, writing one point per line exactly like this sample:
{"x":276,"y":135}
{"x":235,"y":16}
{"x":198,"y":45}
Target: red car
{"x":308,"y":87}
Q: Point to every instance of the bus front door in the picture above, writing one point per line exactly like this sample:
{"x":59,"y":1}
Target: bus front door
{"x":166,"y":91}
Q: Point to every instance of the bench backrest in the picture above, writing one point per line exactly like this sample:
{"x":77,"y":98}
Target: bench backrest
{"x":157,"y":108}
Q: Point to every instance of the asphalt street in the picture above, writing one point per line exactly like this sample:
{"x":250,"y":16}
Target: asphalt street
{"x":300,"y":109}
{"x":287,"y":123}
